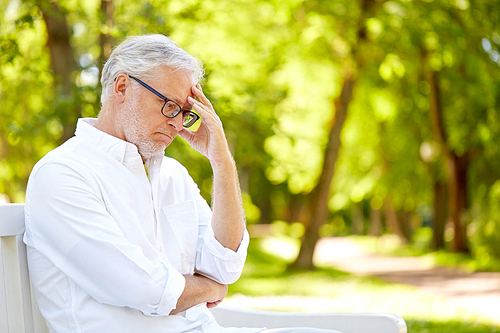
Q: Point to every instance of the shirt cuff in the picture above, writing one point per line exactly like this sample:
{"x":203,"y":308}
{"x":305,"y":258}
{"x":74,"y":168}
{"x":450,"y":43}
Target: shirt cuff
{"x":237,"y":259}
{"x":173,"y":289}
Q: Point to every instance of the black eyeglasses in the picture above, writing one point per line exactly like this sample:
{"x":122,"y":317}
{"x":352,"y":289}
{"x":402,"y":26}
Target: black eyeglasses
{"x":171,"y":109}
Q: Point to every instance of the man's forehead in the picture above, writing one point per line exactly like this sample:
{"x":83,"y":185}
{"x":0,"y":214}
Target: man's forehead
{"x":176,"y":84}
{"x":169,"y":72}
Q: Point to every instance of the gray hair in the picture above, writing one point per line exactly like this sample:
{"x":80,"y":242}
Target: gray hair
{"x":142,"y":55}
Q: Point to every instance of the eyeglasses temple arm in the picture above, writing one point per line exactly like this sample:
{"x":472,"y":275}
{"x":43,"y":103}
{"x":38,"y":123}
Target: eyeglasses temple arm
{"x":148,"y":87}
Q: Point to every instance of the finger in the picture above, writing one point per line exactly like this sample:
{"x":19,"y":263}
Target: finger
{"x":211,"y":305}
{"x":204,"y":109}
{"x":200,"y":95}
{"x":197,"y":105}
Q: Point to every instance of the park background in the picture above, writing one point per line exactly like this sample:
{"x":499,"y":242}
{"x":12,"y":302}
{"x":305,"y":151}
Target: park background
{"x":371,"y":118}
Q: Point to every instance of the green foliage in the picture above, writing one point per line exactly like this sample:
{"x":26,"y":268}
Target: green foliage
{"x":486,"y":229}
{"x":274,"y":69}
{"x":25,"y":132}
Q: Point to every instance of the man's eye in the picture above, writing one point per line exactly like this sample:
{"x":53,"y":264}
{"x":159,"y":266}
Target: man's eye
{"x":170,"y":105}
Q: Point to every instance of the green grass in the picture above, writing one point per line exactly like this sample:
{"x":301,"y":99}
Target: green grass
{"x":390,"y":245}
{"x":267,"y":283}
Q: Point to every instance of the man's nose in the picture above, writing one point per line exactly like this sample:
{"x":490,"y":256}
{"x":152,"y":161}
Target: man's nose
{"x":176,"y":122}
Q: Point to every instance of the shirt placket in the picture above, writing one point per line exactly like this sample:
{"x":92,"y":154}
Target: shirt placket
{"x":154,"y":165}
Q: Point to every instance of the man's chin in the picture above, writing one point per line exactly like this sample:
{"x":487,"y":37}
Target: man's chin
{"x":148,"y":152}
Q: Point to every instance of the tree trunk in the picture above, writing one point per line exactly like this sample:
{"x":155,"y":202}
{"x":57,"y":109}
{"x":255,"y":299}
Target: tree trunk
{"x":357,"y":218}
{"x":456,"y":165}
{"x":375,"y":222}
{"x":106,"y":40}
{"x":106,"y":14}
{"x":318,"y":200}
{"x":265,"y":207}
{"x":295,"y":205}
{"x":394,"y":223}
{"x":440,"y":214}
{"x":457,"y":170}
{"x":63,"y":65}
{"x":404,"y":219}
{"x":319,"y":197}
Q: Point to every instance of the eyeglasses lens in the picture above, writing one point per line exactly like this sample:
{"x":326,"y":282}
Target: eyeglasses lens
{"x":170,"y":108}
{"x":189,"y":118}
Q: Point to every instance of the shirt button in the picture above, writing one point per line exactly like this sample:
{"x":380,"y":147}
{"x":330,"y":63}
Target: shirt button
{"x":137,"y":167}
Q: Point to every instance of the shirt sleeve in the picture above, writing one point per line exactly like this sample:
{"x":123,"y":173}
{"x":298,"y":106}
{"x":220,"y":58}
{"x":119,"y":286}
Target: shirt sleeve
{"x":213,"y":260}
{"x":67,"y":222}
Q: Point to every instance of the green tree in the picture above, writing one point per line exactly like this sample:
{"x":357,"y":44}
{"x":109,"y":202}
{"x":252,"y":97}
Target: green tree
{"x":456,"y":77}
{"x":352,"y":67}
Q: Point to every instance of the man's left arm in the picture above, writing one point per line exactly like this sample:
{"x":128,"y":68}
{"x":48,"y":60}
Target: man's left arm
{"x":228,"y":219}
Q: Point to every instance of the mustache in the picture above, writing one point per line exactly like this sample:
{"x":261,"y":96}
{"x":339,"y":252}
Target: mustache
{"x":167,"y":131}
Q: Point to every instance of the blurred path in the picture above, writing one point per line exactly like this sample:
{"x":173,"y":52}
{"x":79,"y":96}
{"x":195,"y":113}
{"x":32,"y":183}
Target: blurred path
{"x":479,"y":292}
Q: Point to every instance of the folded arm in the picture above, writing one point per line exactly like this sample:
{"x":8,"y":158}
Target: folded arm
{"x":200,"y":289}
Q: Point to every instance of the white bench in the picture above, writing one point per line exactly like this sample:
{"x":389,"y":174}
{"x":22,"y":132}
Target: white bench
{"x":19,"y":312}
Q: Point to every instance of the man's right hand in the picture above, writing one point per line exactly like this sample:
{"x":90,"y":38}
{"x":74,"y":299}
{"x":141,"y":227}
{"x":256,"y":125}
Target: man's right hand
{"x":200,"y":289}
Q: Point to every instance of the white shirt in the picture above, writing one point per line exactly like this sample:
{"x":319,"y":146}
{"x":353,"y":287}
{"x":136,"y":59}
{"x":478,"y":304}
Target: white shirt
{"x":108,"y":247}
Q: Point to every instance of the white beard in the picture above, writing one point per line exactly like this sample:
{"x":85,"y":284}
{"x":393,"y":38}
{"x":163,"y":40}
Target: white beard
{"x":135,"y":130}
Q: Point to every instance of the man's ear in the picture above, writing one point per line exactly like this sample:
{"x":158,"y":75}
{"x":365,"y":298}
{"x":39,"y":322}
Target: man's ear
{"x":120,"y":87}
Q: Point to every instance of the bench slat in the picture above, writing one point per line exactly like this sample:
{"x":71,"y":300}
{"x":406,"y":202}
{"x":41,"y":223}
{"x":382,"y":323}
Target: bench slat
{"x":11,"y":219}
{"x":344,"y":322}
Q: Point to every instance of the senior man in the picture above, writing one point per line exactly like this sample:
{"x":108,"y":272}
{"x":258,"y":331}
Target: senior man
{"x":118,"y":237}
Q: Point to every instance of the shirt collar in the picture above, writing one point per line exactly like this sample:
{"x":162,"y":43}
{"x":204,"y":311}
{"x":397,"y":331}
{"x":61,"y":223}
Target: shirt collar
{"x":124,"y":152}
